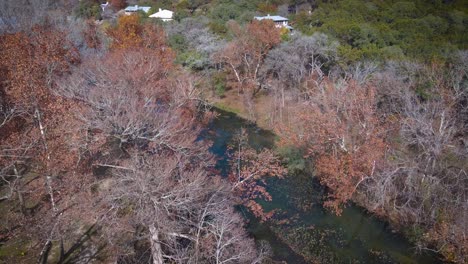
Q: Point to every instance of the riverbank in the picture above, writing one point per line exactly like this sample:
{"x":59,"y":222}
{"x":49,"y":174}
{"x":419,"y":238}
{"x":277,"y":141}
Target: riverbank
{"x":301,"y":228}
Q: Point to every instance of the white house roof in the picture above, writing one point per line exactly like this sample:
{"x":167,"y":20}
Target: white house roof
{"x":137,"y":8}
{"x":274,"y":18}
{"x":163,"y":14}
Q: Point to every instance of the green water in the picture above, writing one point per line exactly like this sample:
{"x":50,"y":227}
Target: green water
{"x":311,"y":233}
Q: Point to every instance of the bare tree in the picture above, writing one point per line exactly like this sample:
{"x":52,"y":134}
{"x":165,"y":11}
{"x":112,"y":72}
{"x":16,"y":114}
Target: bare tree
{"x":161,"y":184}
{"x":244,"y":56}
{"x":230,"y":244}
{"x":361,"y":71}
{"x":131,"y":99}
{"x":197,"y":35}
{"x":291,"y":66}
{"x":17,"y":15}
{"x":14,"y":152}
{"x":425,"y":181}
{"x":457,"y":79}
{"x":291,"y":63}
{"x":189,"y":216}
{"x":338,"y":125}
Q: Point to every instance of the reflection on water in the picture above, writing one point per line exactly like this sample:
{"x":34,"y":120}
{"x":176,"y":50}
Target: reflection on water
{"x":303,"y":231}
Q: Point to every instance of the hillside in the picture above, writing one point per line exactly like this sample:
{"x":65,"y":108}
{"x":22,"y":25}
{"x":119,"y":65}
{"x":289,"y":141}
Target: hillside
{"x":234,"y":132}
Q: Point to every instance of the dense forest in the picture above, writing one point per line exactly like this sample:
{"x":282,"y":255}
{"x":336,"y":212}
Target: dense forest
{"x":103,"y":120}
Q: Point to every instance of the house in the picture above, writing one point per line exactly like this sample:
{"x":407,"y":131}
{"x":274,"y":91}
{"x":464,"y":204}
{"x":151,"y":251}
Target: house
{"x":163,"y":14}
{"x":280,"y":22}
{"x":133,"y":9}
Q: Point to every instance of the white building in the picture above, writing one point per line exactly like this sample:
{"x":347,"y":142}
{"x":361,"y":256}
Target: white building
{"x":163,"y":14}
{"x":279,"y":21}
{"x":133,"y":9}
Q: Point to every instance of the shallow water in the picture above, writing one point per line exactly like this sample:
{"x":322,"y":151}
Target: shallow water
{"x":312,"y":233}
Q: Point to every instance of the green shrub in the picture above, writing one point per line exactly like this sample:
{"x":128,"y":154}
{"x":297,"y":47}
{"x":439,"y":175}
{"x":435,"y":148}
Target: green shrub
{"x":294,"y":158}
{"x":178,"y":42}
{"x":219,"y":84}
{"x":421,"y":30}
{"x":88,"y":9}
{"x":192,"y":60}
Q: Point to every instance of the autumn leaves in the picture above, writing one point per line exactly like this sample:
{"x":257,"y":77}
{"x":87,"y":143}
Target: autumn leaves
{"x":114,"y":138}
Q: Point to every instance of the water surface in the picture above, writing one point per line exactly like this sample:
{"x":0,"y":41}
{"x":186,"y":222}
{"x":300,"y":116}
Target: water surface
{"x":303,"y":231}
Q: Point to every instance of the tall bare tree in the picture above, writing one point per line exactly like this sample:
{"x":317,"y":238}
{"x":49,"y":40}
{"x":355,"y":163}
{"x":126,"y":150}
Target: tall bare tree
{"x":188,"y":215}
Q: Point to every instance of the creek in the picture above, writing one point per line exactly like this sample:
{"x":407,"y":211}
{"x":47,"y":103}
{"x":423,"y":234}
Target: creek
{"x":303,"y":231}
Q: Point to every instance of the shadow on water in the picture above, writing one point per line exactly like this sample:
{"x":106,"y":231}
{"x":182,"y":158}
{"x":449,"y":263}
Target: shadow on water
{"x":221,"y":131}
{"x":303,"y":231}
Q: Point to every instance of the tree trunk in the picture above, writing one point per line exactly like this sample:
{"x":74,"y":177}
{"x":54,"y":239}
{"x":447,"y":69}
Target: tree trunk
{"x":156,"y":250}
{"x":18,"y":190}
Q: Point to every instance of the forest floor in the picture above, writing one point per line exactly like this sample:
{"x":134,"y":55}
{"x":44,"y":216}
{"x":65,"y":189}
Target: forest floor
{"x":257,"y":109}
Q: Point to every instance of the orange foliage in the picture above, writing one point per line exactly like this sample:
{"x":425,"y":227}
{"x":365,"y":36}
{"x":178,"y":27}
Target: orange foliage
{"x":38,"y":139}
{"x":130,"y":33}
{"x":341,"y":132}
{"x":90,"y":35}
{"x":454,"y":245}
{"x":31,"y":61}
{"x":118,"y":4}
{"x":245,"y":54}
{"x":262,"y":35}
{"x":250,"y":169}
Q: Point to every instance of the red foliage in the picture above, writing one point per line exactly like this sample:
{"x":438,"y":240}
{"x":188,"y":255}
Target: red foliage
{"x":130,"y":34}
{"x":340,"y":129}
{"x":90,"y":35}
{"x":118,"y":4}
{"x":31,"y":61}
{"x":248,"y":175}
{"x":38,"y":137}
{"x":244,"y":55}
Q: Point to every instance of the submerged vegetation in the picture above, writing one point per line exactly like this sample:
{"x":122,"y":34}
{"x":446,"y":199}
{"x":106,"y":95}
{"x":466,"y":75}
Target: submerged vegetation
{"x":105,"y":154}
